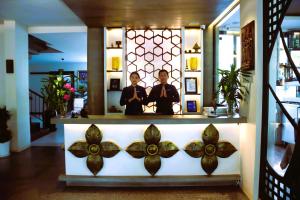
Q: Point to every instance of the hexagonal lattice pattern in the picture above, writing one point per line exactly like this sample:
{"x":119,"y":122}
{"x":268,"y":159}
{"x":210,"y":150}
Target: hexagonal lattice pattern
{"x":140,"y":40}
{"x":167,"y":33}
{"x":158,"y":40}
{"x":150,"y":51}
{"x":158,"y":51}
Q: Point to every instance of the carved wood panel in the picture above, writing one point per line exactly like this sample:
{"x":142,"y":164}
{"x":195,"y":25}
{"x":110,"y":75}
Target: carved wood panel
{"x":248,"y":45}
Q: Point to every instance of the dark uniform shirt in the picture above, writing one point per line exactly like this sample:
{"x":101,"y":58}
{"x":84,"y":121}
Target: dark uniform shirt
{"x":134,"y":107}
{"x":164,"y":104}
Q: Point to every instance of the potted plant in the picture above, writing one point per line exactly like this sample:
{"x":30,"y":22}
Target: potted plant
{"x":231,"y":88}
{"x":57,"y":92}
{"x":5,"y":133}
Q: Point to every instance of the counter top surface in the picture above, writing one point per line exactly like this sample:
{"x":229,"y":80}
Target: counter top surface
{"x":146,"y":119}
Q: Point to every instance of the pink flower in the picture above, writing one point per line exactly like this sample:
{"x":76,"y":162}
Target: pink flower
{"x":67,"y":97}
{"x":72,"y":90}
{"x":67,"y":86}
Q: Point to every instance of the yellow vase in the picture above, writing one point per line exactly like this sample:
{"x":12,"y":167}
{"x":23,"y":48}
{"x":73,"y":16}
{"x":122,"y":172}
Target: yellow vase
{"x":115,"y":63}
{"x":194,"y":63}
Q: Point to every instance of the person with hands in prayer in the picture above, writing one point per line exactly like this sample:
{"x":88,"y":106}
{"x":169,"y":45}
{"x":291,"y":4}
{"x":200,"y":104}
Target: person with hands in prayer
{"x":164,"y":95}
{"x":133,"y":96}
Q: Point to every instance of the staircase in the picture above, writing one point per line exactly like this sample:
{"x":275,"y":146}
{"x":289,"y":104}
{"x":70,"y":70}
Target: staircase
{"x":37,"y":116}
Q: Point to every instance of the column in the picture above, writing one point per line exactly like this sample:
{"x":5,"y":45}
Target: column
{"x":16,"y":84}
{"x":95,"y":68}
{"x":2,"y":66}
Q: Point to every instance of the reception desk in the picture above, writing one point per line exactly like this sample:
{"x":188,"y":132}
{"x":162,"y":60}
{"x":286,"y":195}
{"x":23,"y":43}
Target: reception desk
{"x":187,"y":150}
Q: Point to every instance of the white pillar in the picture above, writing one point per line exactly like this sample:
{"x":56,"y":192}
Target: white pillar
{"x":16,"y":86}
{"x":250,"y":136}
{"x":2,"y":68}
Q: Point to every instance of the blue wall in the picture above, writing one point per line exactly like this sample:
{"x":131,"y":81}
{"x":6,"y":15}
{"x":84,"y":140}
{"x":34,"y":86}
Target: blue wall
{"x":35,"y":80}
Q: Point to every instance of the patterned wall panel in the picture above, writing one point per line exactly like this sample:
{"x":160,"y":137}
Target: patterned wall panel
{"x":149,"y":51}
{"x":272,"y":185}
{"x":275,"y":15}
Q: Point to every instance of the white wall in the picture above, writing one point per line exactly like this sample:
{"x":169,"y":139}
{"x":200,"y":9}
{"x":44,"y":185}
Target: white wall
{"x":250,"y":132}
{"x":15,"y":45}
{"x":35,"y":80}
{"x":2,"y":67}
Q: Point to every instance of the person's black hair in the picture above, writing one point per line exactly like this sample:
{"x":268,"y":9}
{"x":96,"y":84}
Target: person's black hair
{"x":136,"y":73}
{"x":163,"y":70}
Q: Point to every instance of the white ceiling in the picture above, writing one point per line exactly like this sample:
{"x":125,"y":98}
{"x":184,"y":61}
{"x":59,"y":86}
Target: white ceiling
{"x":74,"y":46}
{"x":42,"y":15}
{"x":38,"y":13}
{"x":232,"y":23}
{"x":291,"y":23}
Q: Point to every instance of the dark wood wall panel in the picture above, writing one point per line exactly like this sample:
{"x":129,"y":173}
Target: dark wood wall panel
{"x":141,"y":13}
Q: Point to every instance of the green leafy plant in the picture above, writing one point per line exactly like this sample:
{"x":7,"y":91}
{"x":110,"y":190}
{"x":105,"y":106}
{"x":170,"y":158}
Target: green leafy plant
{"x":230,"y":86}
{"x":81,"y":90}
{"x":5,"y":133}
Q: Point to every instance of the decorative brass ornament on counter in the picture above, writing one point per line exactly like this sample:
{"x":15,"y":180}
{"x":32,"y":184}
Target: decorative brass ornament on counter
{"x":152,"y":149}
{"x":210,"y":149}
{"x":94,"y":149}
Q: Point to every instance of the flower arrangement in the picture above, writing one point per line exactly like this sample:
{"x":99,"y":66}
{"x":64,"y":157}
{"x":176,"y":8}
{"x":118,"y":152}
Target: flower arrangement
{"x":57,"y":92}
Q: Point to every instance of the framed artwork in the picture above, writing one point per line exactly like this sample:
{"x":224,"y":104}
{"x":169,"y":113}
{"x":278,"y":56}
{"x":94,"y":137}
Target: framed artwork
{"x":247,"y":46}
{"x":191,"y":106}
{"x":190,"y":85}
{"x":114,"y":84}
{"x":82,"y":83}
{"x":82,"y":77}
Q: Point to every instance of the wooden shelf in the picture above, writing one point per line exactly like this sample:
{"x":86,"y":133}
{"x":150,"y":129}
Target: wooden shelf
{"x":114,"y":48}
{"x":192,"y":70}
{"x":113,"y":71}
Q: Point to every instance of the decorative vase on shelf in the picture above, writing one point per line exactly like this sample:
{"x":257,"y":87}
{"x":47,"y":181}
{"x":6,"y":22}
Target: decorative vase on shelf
{"x":115,"y":63}
{"x":230,"y":109}
{"x":186,"y":64}
{"x":118,"y":43}
{"x":63,"y":109}
{"x":196,"y":47}
{"x":193,"y":63}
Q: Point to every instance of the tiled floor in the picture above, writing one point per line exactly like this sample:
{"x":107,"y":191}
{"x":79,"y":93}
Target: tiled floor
{"x":32,"y":175}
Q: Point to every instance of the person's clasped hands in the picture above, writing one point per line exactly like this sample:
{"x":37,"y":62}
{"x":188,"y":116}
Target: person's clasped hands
{"x":135,"y":96}
{"x":163,"y":92}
